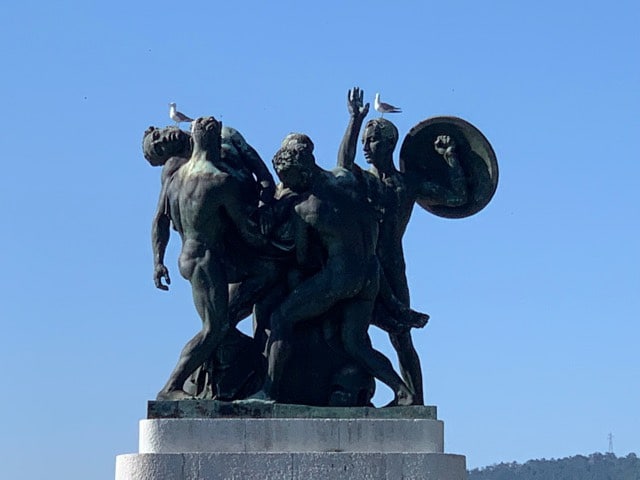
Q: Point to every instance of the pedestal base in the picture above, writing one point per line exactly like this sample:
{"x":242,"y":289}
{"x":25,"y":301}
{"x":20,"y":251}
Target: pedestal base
{"x":276,"y":443}
{"x":290,"y":466}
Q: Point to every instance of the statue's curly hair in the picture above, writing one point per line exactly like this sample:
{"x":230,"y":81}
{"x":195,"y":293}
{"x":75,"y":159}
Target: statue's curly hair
{"x":295,"y":148}
{"x":298,"y":138}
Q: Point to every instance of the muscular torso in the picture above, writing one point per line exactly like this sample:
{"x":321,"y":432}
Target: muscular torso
{"x":396,"y":199}
{"x":196,"y":195}
{"x":398,"y":195}
{"x":344,"y":225}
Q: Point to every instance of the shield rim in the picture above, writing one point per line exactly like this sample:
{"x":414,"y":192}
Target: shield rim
{"x":464,"y":126}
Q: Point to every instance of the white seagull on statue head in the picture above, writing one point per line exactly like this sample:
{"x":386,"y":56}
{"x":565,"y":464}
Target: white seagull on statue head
{"x":384,"y":107}
{"x":177,"y":116}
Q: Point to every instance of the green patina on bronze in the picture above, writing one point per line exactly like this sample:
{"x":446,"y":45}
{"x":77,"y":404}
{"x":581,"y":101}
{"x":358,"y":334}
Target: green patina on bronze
{"x":244,"y":409}
{"x":314,"y":260}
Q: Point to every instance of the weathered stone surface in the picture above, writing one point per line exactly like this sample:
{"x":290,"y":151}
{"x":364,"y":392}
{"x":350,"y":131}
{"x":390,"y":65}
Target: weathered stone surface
{"x":268,"y":441}
{"x":290,"y":466}
{"x":291,"y":435}
{"x":216,"y":409}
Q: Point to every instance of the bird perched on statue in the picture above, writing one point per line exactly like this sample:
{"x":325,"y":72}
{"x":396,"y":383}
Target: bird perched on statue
{"x":384,"y":107}
{"x":177,"y":116}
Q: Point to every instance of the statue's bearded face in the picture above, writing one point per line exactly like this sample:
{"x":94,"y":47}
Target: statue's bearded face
{"x":161,"y":144}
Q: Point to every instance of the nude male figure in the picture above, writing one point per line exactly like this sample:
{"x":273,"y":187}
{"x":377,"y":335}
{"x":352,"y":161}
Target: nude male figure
{"x":334,"y":220}
{"x":395,"y":195}
{"x":204,"y":203}
{"x":171,"y":147}
{"x":250,"y":274}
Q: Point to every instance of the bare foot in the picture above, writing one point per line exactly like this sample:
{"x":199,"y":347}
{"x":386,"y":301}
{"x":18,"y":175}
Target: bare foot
{"x":417,"y":319}
{"x":404,"y":398}
{"x":407,"y":319}
{"x":259,"y":397}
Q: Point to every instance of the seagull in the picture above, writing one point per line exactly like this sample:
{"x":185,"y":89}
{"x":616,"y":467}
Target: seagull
{"x":384,"y":107}
{"x":177,"y":116}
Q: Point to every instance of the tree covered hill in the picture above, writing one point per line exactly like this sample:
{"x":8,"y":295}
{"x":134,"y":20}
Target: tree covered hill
{"x":596,"y":466}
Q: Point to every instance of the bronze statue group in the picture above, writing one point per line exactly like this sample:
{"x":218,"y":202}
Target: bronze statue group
{"x":315,"y":260}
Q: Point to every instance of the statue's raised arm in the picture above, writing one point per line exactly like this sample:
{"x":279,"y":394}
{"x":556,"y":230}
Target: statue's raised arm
{"x":454,"y":193}
{"x":235,"y":142}
{"x":170,"y":148}
{"x":358,"y":112}
{"x":452,"y":165}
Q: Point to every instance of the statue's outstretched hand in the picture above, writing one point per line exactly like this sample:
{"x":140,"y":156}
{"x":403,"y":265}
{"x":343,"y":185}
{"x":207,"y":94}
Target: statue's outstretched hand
{"x":160,"y":272}
{"x":355,"y":103}
{"x":445,"y":146}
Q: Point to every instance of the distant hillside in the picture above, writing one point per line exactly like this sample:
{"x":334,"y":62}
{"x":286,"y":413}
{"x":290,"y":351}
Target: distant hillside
{"x":597,"y":466}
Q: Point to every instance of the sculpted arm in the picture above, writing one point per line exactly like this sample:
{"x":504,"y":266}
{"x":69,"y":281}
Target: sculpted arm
{"x":358,"y":112}
{"x":255,"y":164}
{"x":238,"y":212}
{"x":160,"y":231}
{"x":301,"y":242}
{"x":435,"y":194}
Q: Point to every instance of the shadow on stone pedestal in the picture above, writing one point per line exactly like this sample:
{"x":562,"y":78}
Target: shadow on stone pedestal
{"x":200,"y":439}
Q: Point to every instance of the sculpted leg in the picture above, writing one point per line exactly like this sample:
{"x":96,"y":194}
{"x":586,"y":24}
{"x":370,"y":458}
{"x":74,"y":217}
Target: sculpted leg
{"x":310,"y":299}
{"x":262,"y":314}
{"x":319,"y":293}
{"x":245,"y":294}
{"x":402,"y":343}
{"x":210,"y":295}
{"x":356,"y":315}
{"x":409,"y":364}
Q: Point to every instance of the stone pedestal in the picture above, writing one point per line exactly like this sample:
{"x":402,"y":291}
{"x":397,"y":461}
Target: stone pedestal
{"x":200,"y":439}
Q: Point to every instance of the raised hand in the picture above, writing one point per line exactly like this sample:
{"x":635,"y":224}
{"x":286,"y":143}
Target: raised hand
{"x":355,"y":99}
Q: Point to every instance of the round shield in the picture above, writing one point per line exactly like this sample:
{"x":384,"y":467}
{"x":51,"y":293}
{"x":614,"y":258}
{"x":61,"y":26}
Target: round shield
{"x":419,"y":158}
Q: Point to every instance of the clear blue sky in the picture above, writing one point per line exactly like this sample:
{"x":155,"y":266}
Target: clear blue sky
{"x":532,"y":350}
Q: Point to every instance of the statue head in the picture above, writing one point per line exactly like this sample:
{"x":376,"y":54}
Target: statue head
{"x":160,"y":144}
{"x":379,"y":139}
{"x":294,"y":162}
{"x":297,"y":138}
{"x":206,"y":133}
